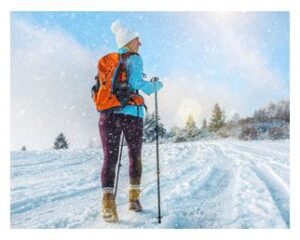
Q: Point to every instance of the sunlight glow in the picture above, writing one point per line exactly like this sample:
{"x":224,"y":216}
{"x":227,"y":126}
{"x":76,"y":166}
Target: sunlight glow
{"x":189,"y":107}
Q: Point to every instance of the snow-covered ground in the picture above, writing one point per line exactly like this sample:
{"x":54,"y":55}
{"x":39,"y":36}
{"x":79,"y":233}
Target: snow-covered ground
{"x":204,"y":184}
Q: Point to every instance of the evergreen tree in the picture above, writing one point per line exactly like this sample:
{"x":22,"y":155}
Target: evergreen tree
{"x":218,"y":118}
{"x":61,"y":142}
{"x":190,"y":127}
{"x":173,"y":131}
{"x":150,"y":126}
{"x":204,"y":132}
{"x":204,"y":124}
{"x":181,"y":135}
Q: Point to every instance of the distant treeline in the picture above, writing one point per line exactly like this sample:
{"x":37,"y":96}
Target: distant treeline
{"x":270,"y":122}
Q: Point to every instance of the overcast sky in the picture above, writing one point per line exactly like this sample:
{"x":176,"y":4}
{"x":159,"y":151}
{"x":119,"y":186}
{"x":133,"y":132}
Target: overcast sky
{"x":240,"y":60}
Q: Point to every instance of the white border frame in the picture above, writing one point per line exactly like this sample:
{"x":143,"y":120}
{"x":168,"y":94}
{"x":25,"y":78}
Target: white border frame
{"x":149,"y":5}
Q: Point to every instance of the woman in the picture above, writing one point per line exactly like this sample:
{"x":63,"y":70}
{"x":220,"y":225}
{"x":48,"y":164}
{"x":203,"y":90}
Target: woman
{"x":128,"y":120}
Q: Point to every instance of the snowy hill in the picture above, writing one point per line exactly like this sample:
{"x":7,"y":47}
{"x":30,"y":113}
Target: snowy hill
{"x":204,"y":184}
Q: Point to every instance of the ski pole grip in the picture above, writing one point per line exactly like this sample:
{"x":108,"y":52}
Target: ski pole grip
{"x":154,"y":79}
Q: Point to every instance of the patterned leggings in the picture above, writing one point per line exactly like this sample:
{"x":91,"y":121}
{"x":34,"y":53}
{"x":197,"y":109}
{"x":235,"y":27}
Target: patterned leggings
{"x":110,"y":127}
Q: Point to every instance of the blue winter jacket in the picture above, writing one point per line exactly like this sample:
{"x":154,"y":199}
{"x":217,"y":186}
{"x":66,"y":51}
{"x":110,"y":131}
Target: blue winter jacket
{"x":134,"y":68}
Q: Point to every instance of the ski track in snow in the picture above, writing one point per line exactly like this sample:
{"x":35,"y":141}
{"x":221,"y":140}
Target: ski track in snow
{"x":204,"y":184}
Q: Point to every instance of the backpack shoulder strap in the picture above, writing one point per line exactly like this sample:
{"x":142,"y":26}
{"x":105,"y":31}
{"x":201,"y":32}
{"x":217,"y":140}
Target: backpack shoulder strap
{"x":126,"y":55}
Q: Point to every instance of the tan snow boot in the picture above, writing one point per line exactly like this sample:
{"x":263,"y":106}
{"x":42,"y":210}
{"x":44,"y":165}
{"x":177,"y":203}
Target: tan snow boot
{"x":109,"y":208}
{"x":134,"y":202}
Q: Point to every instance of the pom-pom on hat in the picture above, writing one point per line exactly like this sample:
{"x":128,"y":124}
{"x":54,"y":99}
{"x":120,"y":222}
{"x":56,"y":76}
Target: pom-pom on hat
{"x":123,"y":34}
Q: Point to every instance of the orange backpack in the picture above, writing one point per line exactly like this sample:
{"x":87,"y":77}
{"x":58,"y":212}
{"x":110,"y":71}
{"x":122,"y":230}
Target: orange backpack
{"x":112,"y":90}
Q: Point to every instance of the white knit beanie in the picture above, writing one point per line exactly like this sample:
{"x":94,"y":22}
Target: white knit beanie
{"x":123,"y":34}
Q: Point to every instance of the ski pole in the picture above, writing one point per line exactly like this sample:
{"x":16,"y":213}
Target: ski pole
{"x":157,"y":151}
{"x":119,"y":164}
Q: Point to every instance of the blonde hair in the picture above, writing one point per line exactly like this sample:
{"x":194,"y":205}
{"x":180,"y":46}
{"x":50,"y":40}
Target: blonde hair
{"x":128,"y":46}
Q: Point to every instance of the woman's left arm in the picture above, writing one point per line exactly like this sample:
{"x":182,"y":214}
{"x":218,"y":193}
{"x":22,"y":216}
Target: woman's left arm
{"x":135,"y":73}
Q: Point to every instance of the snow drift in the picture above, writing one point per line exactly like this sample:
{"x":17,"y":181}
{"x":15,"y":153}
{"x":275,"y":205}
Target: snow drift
{"x":204,"y":184}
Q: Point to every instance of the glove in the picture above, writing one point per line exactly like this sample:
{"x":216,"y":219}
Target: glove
{"x":157,"y":85}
